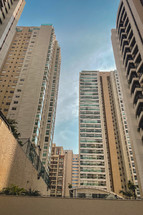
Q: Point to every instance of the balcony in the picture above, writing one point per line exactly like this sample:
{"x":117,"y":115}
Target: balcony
{"x":141,"y":130}
{"x":140,"y":68}
{"x":138,"y":60}
{"x":130,"y":66}
{"x":137,"y":95}
{"x":127,"y":59}
{"x":141,"y":79}
{"x":130,"y":35}
{"x":122,"y":30}
{"x":128,"y":28}
{"x":126,"y":50}
{"x":139,"y":107}
{"x":123,"y":36}
{"x":132,"y":74}
{"x":140,"y":122}
{"x":124,"y":43}
{"x":134,"y":50}
{"x":126,"y":22}
{"x":134,"y":84}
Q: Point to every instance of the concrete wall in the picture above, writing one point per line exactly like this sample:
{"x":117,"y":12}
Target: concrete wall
{"x":15,"y":167}
{"x":56,"y":206}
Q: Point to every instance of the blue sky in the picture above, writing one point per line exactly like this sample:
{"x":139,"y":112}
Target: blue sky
{"x":83,"y":29}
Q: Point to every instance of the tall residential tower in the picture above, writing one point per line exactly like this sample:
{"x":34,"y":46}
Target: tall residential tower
{"x":10,"y":11}
{"x":127,"y":40}
{"x":106,"y":155}
{"x":29,"y":81}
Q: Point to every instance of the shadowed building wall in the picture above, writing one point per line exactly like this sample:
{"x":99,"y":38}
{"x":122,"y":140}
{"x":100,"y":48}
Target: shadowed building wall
{"x":127,"y":41}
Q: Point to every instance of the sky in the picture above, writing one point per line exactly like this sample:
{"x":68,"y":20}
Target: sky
{"x":83,"y":30}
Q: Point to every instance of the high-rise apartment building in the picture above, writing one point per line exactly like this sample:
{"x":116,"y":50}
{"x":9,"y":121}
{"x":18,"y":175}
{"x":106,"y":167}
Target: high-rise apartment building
{"x":10,"y":11}
{"x":29,"y":81}
{"x":57,"y":165}
{"x":106,"y":155}
{"x":75,"y":170}
{"x":127,"y":40}
{"x":64,"y":171}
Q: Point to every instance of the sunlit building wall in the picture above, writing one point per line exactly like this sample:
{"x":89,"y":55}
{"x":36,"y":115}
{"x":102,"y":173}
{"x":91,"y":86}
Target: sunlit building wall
{"x":64,"y":171}
{"x":106,"y":158}
{"x":56,"y":173}
{"x":29,"y":81}
{"x":75,"y":171}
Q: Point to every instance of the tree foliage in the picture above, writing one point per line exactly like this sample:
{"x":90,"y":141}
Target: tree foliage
{"x":13,"y":126}
{"x":130,"y":192}
{"x":15,"y":190}
{"x":70,"y":186}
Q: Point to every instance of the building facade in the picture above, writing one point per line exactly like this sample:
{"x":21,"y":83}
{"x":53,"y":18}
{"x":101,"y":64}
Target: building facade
{"x":10,"y":11}
{"x":106,"y":155}
{"x":68,"y":171}
{"x":127,"y":41}
{"x":57,"y":171}
{"x":64,"y":171}
{"x":29,"y":81}
{"x":75,"y":170}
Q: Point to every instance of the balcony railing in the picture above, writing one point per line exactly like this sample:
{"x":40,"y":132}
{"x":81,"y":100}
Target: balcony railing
{"x":32,"y":155}
{"x":140,"y":123}
{"x":137,"y":95}
{"x":134,"y":84}
{"x":4,"y":119}
{"x":132,"y":74}
{"x":139,"y":107}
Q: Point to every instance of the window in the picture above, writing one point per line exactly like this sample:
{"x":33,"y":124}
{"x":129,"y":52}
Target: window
{"x":13,"y":108}
{"x":46,"y":139}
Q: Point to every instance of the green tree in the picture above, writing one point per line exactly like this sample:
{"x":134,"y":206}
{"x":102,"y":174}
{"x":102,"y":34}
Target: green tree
{"x":70,"y":186}
{"x":13,"y":126}
{"x":13,"y":190}
{"x":18,"y":191}
{"x":131,"y":191}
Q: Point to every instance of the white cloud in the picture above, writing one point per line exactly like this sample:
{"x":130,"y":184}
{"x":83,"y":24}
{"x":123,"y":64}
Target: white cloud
{"x":69,"y":83}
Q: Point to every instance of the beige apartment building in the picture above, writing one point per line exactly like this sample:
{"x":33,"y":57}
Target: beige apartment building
{"x":64,"y":169}
{"x":75,"y":170}
{"x":10,"y":12}
{"x":56,"y":173}
{"x":106,"y":156}
{"x":127,"y":41}
{"x":29,"y":81}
